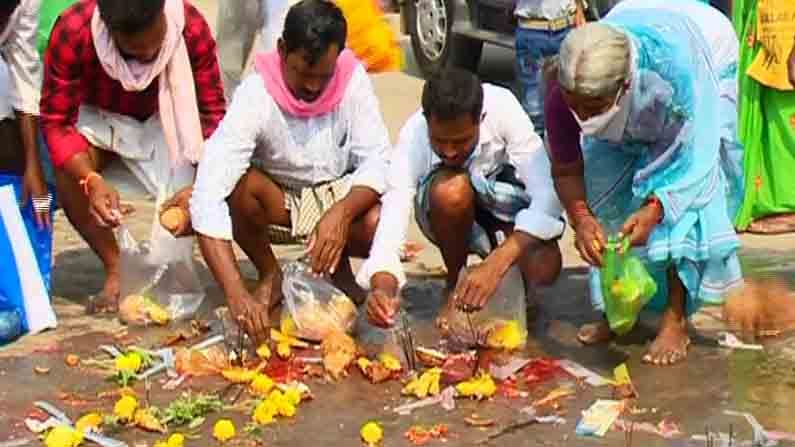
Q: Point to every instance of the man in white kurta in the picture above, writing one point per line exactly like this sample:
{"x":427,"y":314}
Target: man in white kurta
{"x":298,"y":157}
{"x":479,"y":180}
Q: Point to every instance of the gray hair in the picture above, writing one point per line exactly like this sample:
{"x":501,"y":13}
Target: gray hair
{"x":594,"y":60}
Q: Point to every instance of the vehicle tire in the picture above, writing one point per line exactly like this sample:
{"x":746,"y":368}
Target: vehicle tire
{"x":434,"y":45}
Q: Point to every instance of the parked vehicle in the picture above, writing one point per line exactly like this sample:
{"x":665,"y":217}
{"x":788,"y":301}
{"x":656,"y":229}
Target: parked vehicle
{"x":452,"y":32}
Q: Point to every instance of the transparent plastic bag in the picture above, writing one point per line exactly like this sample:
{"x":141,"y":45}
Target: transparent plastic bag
{"x":626,"y":286}
{"x":316,"y":307}
{"x":502,"y":324}
{"x":159,"y":282}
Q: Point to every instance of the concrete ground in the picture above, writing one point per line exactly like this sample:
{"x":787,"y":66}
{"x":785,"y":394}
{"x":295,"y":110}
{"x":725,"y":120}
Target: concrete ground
{"x":694,"y":394}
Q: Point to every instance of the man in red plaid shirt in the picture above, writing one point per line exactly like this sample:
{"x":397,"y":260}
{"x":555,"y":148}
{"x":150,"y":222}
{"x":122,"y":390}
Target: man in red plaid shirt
{"x":138,"y":79}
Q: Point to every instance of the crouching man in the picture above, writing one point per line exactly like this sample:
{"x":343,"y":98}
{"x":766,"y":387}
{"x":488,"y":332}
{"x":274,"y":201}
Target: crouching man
{"x":131,"y":79}
{"x":297,"y":158}
{"x":479,"y":180}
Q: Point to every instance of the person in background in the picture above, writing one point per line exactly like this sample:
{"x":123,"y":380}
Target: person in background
{"x":20,"y":84}
{"x":637,"y":126}
{"x":238,"y":23}
{"x":299,"y":158}
{"x":767,"y":108}
{"x":474,"y":169}
{"x":134,"y":79}
{"x":25,"y":197}
{"x":542,"y":26}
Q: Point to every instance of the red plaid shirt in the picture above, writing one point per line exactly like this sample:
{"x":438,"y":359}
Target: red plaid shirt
{"x":73,"y":76}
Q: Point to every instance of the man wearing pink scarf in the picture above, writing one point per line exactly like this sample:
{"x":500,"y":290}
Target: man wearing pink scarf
{"x":137,"y":79}
{"x":299,"y":157}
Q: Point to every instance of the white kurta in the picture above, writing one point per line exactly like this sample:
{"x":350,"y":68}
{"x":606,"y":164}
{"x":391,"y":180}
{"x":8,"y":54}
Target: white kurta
{"x":20,"y":65}
{"x":295,"y":152}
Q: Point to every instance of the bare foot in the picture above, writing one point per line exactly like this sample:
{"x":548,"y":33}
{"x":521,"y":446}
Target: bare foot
{"x":269,"y":290}
{"x":670,"y":346}
{"x":106,"y":301}
{"x":446,"y":312}
{"x":595,"y":333}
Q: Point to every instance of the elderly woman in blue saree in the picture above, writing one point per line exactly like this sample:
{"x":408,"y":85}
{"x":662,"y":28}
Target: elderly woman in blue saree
{"x":642,"y":137}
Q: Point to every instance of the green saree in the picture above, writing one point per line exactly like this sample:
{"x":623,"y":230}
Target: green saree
{"x":765,"y":126}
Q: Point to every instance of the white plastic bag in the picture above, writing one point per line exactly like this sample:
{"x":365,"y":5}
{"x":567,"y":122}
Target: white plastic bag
{"x":159,"y":282}
{"x":502,"y":324}
{"x":316,"y":307}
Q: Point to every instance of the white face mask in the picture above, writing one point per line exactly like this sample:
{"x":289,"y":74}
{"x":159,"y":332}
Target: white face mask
{"x":597,"y":124}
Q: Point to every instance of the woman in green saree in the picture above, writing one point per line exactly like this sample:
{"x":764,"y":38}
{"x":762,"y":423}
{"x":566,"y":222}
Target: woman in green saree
{"x":765,"y":126}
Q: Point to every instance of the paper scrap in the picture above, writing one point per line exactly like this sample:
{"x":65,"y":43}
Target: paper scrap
{"x":581,"y":372}
{"x":504,"y":372}
{"x":598,"y":419}
{"x":728,"y":340}
{"x":446,"y":399}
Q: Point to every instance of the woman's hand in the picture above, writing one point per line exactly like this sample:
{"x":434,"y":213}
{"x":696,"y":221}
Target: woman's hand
{"x":639,"y":226}
{"x":590,"y":239}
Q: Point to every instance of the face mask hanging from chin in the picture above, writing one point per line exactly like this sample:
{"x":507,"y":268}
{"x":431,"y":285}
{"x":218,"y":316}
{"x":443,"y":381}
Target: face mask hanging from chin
{"x":610,"y":124}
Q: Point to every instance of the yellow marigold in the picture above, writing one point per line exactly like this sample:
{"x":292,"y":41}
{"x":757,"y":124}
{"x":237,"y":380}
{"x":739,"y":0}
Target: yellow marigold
{"x":286,"y":409}
{"x":390,"y":362}
{"x":293,"y":395}
{"x":283,"y":349}
{"x":63,"y":436}
{"x":90,"y":421}
{"x":262,"y":384}
{"x":508,"y":335}
{"x":129,"y":363}
{"x":265,"y":412}
{"x":239,"y":375}
{"x":371,"y":433}
{"x":176,"y":440}
{"x":424,"y":385}
{"x":224,"y":430}
{"x":125,"y":408}
{"x":287,"y":326}
{"x":479,"y":387}
{"x":264,"y":352}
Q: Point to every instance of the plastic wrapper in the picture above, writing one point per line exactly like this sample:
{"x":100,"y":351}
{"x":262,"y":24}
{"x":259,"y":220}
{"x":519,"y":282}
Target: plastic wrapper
{"x":315,"y":307}
{"x":626,"y":286}
{"x":501,"y":324}
{"x":159,"y":282}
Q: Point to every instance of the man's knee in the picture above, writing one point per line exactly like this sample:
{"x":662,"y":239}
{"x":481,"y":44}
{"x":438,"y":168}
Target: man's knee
{"x":363,"y":232}
{"x":544,"y":264}
{"x":244,"y":203}
{"x":452,"y":194}
{"x":370,"y":222}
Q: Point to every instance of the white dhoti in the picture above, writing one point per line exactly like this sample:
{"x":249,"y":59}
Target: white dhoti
{"x":143,"y":150}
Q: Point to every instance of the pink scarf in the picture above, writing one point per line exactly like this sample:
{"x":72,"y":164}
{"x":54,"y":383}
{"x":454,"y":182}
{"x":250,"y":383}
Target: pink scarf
{"x":269,"y":66}
{"x":179,"y":111}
